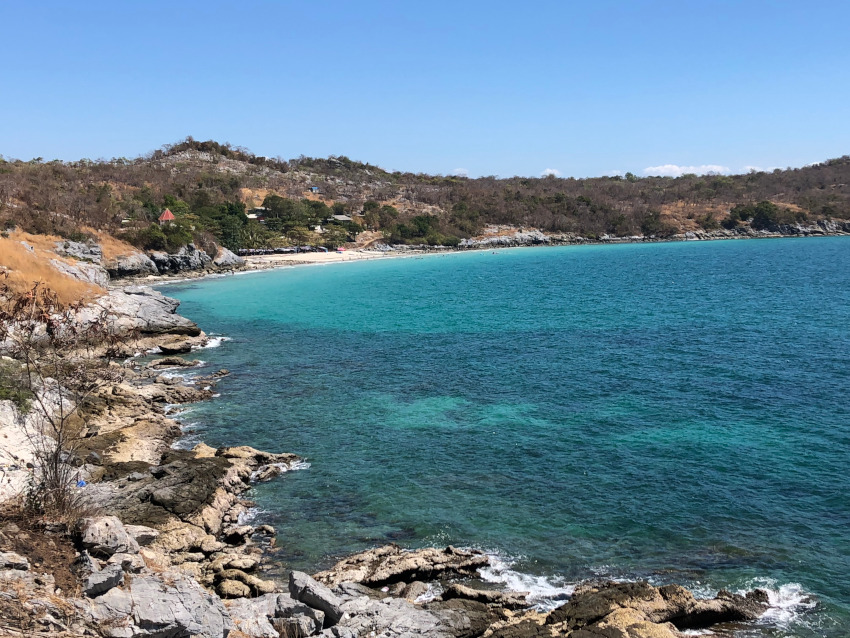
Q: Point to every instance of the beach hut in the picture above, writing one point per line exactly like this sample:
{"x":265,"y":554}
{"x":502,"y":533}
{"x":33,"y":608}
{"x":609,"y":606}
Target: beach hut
{"x":166,"y":218}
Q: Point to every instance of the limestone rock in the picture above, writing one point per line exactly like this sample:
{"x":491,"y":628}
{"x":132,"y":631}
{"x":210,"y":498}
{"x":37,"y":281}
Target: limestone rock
{"x":514,"y":600}
{"x":312,"y":593}
{"x":136,"y":264}
{"x":102,"y":581}
{"x":226,"y":259}
{"x":130,"y":563}
{"x":251,"y":616}
{"x":11,"y":560}
{"x":390,"y":564}
{"x":187,"y":258}
{"x":88,"y":251}
{"x":142,"y":534}
{"x":160,"y":605}
{"x":232,"y":589}
{"x":105,"y":535}
{"x":143,"y":309}
{"x":82,"y":271}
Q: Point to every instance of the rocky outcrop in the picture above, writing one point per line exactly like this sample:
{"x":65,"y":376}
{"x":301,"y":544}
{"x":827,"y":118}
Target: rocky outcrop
{"x":145,"y":310}
{"x":160,"y":605}
{"x":135,"y":264}
{"x":187,"y":258}
{"x":391,"y":564}
{"x":83,"y":271}
{"x":105,"y":535}
{"x":634,"y":610}
{"x":225,"y":259}
{"x":81,"y":251}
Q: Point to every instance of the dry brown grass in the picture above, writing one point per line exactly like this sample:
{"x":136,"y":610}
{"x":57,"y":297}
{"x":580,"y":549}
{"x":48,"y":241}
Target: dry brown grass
{"x":111,"y":246}
{"x":25,"y":267}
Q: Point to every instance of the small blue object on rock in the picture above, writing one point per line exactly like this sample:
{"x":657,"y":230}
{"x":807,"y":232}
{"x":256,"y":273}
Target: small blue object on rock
{"x":81,"y":483}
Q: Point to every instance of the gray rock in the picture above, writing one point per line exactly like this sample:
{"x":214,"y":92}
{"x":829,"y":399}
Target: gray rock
{"x":251,"y":616}
{"x":105,"y":535}
{"x":144,"y":309}
{"x":164,"y":605}
{"x":288,"y":607}
{"x":82,"y":271}
{"x":143,"y":535}
{"x":130,"y":563}
{"x":312,"y":593}
{"x":339,"y":632}
{"x":11,"y":560}
{"x":99,"y":582}
{"x":81,"y":251}
{"x":135,"y":264}
{"x":226,"y":259}
{"x":187,"y":258}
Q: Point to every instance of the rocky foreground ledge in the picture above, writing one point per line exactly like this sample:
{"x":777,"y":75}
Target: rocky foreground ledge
{"x":164,"y":552}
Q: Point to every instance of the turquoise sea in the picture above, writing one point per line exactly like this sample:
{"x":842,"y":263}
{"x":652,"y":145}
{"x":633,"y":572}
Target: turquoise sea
{"x":676,"y":411}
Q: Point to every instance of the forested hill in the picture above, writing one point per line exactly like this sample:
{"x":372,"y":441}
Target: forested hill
{"x":213,"y":188}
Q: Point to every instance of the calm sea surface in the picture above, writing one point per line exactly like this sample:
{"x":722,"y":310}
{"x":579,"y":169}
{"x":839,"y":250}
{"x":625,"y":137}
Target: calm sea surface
{"x":677,"y":412}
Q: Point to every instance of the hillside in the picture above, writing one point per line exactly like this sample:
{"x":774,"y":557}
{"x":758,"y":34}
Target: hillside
{"x":212,"y":188}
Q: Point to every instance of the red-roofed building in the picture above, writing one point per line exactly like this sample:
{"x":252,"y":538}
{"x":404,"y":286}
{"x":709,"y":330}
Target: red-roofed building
{"x":167,"y":216}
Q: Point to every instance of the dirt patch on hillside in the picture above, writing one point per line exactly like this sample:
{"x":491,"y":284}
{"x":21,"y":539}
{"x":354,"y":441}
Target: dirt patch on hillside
{"x":48,"y":550}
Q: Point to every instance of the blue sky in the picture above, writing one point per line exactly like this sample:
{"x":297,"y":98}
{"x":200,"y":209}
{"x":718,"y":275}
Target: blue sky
{"x":492,"y":88}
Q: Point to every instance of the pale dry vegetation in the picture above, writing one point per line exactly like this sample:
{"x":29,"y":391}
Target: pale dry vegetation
{"x":24,"y":267}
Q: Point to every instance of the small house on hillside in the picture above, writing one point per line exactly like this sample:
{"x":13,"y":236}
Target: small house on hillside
{"x":342,"y":218}
{"x":314,"y":189}
{"x":167,"y":217}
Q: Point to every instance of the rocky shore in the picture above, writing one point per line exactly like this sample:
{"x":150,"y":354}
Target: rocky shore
{"x":164,"y":551}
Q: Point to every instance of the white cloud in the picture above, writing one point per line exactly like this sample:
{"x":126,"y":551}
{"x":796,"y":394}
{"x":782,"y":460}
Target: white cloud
{"x":554,"y":172}
{"x":461,"y":172}
{"x":674,"y":170}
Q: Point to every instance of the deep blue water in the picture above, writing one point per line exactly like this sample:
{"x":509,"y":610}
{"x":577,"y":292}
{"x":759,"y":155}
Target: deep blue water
{"x":672,"y":411}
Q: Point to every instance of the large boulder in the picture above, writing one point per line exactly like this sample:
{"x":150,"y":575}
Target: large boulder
{"x":143,"y":309}
{"x":187,"y":258}
{"x":160,"y":606}
{"x":306,"y":590}
{"x":226,"y":259}
{"x":136,"y":264}
{"x":105,"y":535}
{"x":83,"y":271}
{"x":391,"y":564}
{"x":669,"y":604}
{"x":88,"y":251}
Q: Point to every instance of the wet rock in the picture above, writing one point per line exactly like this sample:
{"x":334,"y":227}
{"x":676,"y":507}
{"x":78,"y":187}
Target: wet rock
{"x":105,"y":535}
{"x":671,"y":603}
{"x":513,"y":600}
{"x":389,"y":564}
{"x":176,"y":347}
{"x":305,"y":589}
{"x":237,"y":535}
{"x":172,"y":362}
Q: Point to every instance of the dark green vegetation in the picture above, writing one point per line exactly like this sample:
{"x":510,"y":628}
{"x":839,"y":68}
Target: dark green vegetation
{"x":206,"y":185}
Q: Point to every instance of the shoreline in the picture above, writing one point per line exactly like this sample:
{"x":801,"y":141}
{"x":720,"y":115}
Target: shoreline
{"x":260,"y":263}
{"x":210,"y":548}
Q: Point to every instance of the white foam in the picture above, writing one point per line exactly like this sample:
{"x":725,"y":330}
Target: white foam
{"x":283,"y":467}
{"x":544,"y":592}
{"x":787,"y":601}
{"x":434,"y":590}
{"x":213,"y":342}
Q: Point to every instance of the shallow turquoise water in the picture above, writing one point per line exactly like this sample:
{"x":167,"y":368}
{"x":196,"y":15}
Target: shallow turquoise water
{"x":672,"y":411}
